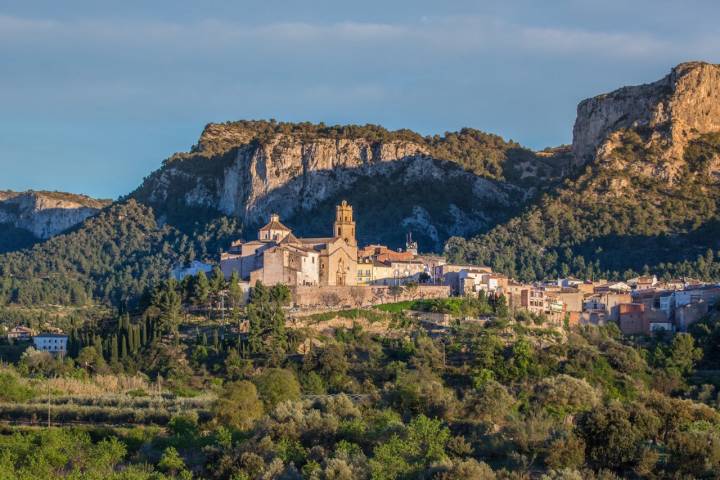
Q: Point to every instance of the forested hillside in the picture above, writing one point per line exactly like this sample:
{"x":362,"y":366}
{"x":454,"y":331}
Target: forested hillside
{"x":160,"y":395}
{"x":645,"y":197}
{"x":114,"y":257}
{"x":613,"y":218}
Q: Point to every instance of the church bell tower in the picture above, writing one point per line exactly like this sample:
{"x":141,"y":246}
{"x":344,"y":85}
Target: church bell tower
{"x":344,"y":225}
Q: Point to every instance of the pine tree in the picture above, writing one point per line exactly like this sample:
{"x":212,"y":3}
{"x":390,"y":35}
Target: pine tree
{"x":235,"y":292}
{"x":201,"y":289}
{"x":169,"y":303}
{"x":217,"y":283}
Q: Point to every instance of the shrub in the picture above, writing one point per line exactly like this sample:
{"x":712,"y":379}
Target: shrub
{"x":12,"y":389}
{"x":276,"y":385}
{"x":238,"y":406}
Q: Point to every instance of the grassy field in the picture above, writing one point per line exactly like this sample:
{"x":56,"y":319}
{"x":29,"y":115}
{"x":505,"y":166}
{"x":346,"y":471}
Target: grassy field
{"x":453,"y":306}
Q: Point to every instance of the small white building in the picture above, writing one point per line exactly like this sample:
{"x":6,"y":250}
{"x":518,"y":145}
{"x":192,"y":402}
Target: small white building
{"x":51,"y":342}
{"x":195,"y":267}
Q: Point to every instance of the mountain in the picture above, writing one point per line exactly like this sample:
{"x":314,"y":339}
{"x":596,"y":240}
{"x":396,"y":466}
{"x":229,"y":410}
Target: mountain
{"x":637,"y":189}
{"x":458,"y":184}
{"x":238,"y":173}
{"x":646,"y":195}
{"x":27,"y":217}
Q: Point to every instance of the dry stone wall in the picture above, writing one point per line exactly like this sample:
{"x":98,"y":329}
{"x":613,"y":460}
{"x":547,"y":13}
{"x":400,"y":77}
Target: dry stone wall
{"x":344,"y":297}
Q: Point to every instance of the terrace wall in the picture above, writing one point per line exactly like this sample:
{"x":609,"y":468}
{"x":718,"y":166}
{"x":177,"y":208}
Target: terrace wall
{"x":344,"y":297}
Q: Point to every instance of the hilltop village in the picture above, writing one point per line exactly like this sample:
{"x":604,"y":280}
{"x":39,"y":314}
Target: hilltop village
{"x":334,"y":272}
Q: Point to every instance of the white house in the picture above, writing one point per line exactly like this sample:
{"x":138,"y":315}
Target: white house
{"x":195,"y":267}
{"x":51,"y":342}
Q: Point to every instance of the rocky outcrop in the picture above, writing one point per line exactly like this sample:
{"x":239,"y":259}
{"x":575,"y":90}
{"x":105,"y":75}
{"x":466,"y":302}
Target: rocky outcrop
{"x":45,"y":214}
{"x":248,"y":176}
{"x":675,"y":110}
{"x":305,"y":172}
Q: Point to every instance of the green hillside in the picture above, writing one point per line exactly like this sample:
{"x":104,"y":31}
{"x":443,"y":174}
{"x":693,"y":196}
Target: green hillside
{"x":614,"y":217}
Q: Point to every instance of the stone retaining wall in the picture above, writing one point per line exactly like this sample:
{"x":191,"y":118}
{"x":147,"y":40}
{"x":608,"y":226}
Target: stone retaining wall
{"x":345,"y":297}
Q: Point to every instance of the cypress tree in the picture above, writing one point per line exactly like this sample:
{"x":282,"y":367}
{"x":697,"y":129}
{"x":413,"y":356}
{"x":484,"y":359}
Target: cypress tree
{"x":114,"y":349}
{"x":138,"y":340}
{"x":143,"y":334}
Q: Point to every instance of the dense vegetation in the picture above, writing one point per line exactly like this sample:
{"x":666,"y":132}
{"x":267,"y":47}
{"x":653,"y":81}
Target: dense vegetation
{"x":618,"y":218}
{"x":114,"y":257}
{"x":505,"y":396}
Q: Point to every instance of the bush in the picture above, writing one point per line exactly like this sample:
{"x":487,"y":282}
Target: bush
{"x":12,"y":389}
{"x":277,"y":385}
{"x":238,"y":406}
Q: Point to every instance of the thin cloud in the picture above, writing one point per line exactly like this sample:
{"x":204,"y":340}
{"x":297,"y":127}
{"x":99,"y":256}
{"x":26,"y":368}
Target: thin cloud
{"x":452,"y":34}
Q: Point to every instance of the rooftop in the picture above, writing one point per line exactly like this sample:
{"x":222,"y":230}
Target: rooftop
{"x":274,"y":224}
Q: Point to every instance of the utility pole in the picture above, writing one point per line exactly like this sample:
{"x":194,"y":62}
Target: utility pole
{"x":48,"y":400}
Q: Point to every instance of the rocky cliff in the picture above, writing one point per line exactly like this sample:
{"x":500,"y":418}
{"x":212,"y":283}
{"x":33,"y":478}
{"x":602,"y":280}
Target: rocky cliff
{"x":397,"y":181}
{"x":647,"y":197}
{"x":673,"y":111}
{"x":45,"y":214}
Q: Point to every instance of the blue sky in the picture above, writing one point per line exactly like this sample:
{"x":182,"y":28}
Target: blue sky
{"x":94,"y":95}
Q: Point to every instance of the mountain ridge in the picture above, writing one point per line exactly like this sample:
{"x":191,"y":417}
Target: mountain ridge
{"x":645,"y":196}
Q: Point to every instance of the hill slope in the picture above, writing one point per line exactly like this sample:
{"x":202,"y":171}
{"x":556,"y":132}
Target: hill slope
{"x":648,"y":194}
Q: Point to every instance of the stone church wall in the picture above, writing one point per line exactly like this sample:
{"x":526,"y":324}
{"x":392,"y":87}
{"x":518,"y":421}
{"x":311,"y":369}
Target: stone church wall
{"x":343,"y":297}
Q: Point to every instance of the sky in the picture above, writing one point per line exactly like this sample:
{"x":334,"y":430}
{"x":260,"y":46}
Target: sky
{"x":94,"y":95}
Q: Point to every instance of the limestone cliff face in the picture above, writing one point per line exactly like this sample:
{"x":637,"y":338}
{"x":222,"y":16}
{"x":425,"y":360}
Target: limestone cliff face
{"x":675,"y":110}
{"x":46,"y":214}
{"x":232,"y":171}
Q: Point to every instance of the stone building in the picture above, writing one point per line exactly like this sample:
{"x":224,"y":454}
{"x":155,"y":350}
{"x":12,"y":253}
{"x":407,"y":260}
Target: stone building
{"x":278,"y":256}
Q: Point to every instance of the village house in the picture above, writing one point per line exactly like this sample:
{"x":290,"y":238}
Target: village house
{"x":607,"y":302}
{"x":616,"y":287}
{"x":364,"y":271}
{"x":475,"y":281}
{"x":533,"y":300}
{"x":195,"y":267}
{"x":449,"y":274}
{"x":20,"y":333}
{"x":54,"y":343}
{"x":632,"y":319}
{"x":644,"y":282}
{"x":406,"y":271}
{"x":381,"y":253}
{"x":571,"y":298}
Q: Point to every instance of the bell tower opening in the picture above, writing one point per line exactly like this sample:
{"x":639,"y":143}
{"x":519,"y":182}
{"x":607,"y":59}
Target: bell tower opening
{"x":344,"y":226}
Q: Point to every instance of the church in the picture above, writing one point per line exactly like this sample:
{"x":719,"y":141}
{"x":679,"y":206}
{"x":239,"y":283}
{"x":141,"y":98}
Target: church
{"x":278,"y":256}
